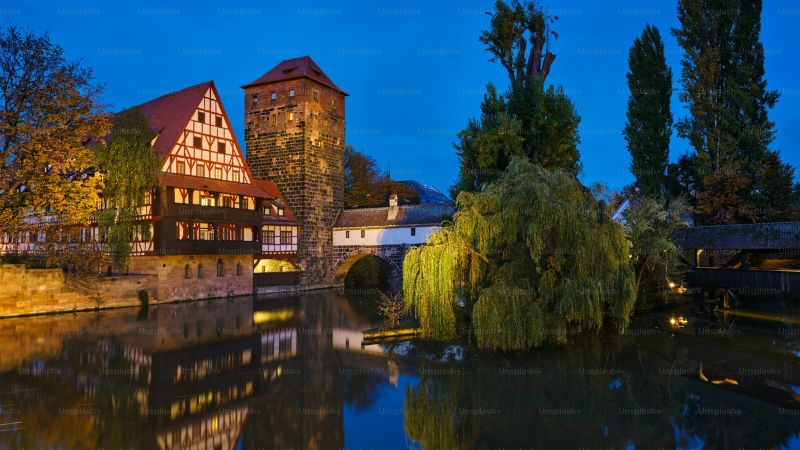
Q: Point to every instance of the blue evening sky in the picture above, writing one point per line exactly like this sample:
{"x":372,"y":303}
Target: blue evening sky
{"x":415,"y":71}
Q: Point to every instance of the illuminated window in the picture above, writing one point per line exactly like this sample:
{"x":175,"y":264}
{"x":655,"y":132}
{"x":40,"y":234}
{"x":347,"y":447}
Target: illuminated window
{"x":247,"y":234}
{"x":182,"y":230}
{"x":201,"y":117}
{"x":218,"y":173}
{"x":201,"y":171}
{"x":227,"y":232}
{"x":197,"y":142}
{"x":235,"y":176}
{"x":280,"y":211}
{"x":269,"y":237}
{"x":180,"y":167}
{"x":286,"y":237}
{"x":291,"y":116}
{"x":204,"y":231}
{"x":206,"y":198}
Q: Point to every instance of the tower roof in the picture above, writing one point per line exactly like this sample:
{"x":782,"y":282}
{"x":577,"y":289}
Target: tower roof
{"x":289,"y":69}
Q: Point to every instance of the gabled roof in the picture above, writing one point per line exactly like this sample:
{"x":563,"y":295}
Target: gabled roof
{"x":168,"y":115}
{"x":759,"y":236}
{"x":427,"y":194}
{"x":273,"y":193}
{"x":408,"y":215}
{"x":290,"y":69}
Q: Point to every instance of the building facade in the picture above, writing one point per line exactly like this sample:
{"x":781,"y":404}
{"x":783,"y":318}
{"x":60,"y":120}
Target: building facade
{"x":294,"y":134}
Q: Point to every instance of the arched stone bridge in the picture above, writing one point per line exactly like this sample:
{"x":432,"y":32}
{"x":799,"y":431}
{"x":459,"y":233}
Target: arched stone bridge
{"x":386,"y":232}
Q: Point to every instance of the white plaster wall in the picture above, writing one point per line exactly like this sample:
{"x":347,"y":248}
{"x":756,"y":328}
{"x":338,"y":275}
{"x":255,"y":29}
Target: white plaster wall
{"x":383,"y":236}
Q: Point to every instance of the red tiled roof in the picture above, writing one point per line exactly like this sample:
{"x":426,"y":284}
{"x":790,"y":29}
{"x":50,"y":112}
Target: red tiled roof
{"x":273,"y":193}
{"x":168,"y":115}
{"x":289,"y":69}
{"x":210,"y":184}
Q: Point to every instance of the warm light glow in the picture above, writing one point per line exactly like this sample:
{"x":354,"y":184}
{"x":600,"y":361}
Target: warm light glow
{"x":678,"y":321}
{"x":262,"y":317}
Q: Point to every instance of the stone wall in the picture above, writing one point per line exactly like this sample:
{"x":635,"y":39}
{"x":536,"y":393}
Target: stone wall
{"x":298,"y":142}
{"x":347,"y":255}
{"x":38,"y":291}
{"x":165,"y":278}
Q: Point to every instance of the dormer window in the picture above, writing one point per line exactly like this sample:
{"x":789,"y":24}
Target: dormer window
{"x":201,"y":117}
{"x":280,"y":211}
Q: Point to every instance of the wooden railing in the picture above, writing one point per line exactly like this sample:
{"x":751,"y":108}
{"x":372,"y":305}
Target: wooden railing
{"x":266,"y":279}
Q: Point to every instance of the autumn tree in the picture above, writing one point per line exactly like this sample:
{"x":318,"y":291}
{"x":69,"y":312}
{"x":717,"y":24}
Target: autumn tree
{"x":367,"y":186}
{"x":129,"y":167}
{"x":530,"y":119}
{"x":649,"y":119}
{"x":49,"y":110}
{"x":726,"y":92}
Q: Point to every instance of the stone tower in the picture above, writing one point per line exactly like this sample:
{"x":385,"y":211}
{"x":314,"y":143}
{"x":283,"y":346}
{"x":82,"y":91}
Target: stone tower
{"x":294,"y":135}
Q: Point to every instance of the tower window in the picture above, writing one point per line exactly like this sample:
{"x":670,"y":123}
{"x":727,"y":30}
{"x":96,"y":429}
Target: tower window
{"x":254,"y":100}
{"x":333,"y":102}
{"x":291,"y":116}
{"x":274,"y":96}
{"x":218,"y":121}
{"x":314,"y":95}
{"x":291,"y":92}
{"x":221,"y":147}
{"x":201,"y":117}
{"x":197,"y":142}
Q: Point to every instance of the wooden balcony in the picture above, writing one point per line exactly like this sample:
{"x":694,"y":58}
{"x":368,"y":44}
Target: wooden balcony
{"x":197,"y":247}
{"x":267,"y":279}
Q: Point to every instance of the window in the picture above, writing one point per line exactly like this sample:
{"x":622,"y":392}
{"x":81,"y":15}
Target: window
{"x":291,"y":92}
{"x":280,"y":211}
{"x":413,"y":231}
{"x":274,"y":96}
{"x":218,"y":121}
{"x":204,"y":231}
{"x":347,"y":234}
{"x":226,"y":202}
{"x":286,"y":237}
{"x":199,"y":275}
{"x":201,"y":171}
{"x":254,"y":100}
{"x":180,"y":167}
{"x":291,"y":116}
{"x":221,"y":147}
{"x":247,"y":234}
{"x":238,"y":269}
{"x":206,"y":198}
{"x":201,"y":117}
{"x":314,"y":95}
{"x":333,"y":102}
{"x":269,"y":237}
{"x":186,"y":272}
{"x":218,"y":173}
{"x":248,"y":203}
{"x":180,"y":196}
{"x":197,"y":142}
{"x":227,"y":232}
{"x":235,"y":176}
{"x":182,"y":230}
{"x":363,"y":233}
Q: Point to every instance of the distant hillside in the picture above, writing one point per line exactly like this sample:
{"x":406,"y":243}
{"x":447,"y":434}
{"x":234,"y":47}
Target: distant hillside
{"x":427,"y":194}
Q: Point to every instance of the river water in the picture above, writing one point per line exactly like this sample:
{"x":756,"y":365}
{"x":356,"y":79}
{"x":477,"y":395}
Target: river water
{"x":292,"y":373}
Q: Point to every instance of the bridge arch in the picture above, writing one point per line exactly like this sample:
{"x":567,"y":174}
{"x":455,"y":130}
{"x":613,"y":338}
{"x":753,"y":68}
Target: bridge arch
{"x":346,"y":261}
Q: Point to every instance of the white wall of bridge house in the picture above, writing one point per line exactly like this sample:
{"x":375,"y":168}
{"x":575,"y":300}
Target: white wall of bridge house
{"x":382,"y":236}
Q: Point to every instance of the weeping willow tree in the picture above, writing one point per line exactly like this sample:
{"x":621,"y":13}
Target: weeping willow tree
{"x":129,"y":168}
{"x":532,"y":257}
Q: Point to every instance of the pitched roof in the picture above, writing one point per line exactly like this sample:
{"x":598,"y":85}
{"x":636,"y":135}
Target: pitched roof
{"x":168,"y":115}
{"x":273,"y":193}
{"x":408,"y":215}
{"x":427,"y":194}
{"x":289,"y":69}
{"x":759,"y":236}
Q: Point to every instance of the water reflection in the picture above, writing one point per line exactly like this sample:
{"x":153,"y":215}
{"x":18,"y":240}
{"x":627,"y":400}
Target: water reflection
{"x":292,"y":373}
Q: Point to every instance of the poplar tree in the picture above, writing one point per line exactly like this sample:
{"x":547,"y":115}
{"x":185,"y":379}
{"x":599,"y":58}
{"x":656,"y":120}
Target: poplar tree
{"x":728,"y":100}
{"x":649,"y":125}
